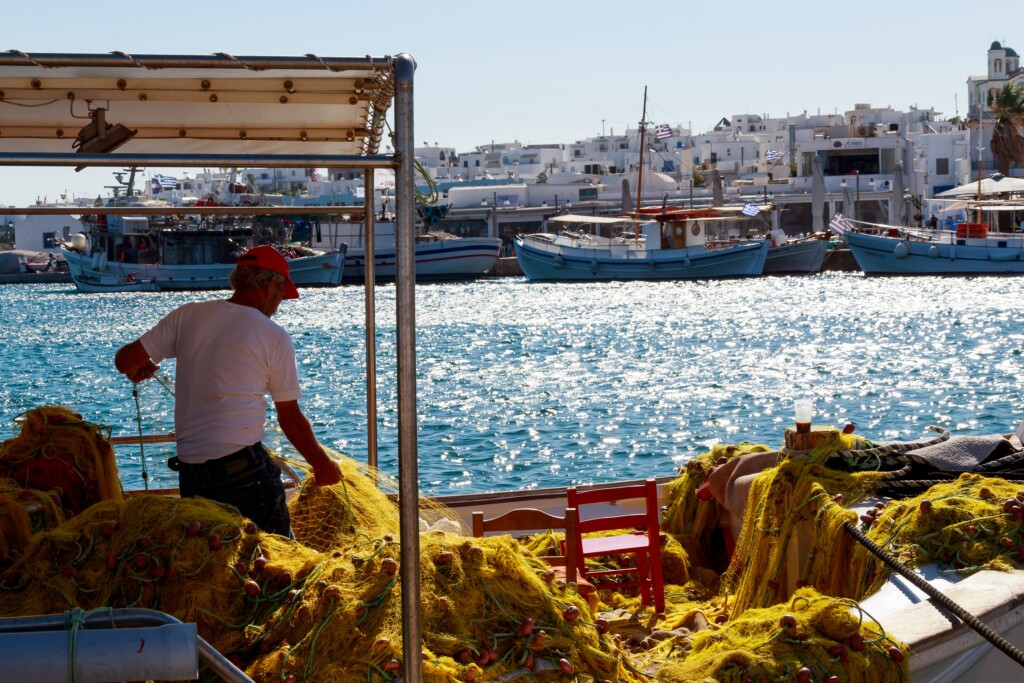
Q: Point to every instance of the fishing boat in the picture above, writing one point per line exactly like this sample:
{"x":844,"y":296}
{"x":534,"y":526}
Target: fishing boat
{"x":89,"y":285}
{"x":666,"y":243}
{"x":972,"y":249}
{"x":671,"y":246}
{"x":802,"y":255}
{"x":439,"y":255}
{"x":176,"y":252}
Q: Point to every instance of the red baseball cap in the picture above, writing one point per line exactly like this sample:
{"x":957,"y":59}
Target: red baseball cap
{"x":269,"y":258}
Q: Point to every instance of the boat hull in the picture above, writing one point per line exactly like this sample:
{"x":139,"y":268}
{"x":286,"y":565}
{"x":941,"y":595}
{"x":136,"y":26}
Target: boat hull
{"x":546,"y":261}
{"x":321,"y":270}
{"x":90,"y":285}
{"x":881,"y":255}
{"x":462,"y":258}
{"x":796,"y":257}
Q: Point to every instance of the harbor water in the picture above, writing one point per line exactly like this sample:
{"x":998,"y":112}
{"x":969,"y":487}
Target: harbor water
{"x":524,"y":385}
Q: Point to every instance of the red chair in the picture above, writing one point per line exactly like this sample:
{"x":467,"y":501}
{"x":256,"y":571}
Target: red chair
{"x":598,"y":510}
{"x":531,"y":519}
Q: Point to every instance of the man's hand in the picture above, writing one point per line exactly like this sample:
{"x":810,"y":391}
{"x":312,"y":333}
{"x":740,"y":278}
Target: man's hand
{"x":327,"y":472}
{"x":133,"y":361}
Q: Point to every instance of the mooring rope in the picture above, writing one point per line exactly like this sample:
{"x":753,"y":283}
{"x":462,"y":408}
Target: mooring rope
{"x":983,"y":629}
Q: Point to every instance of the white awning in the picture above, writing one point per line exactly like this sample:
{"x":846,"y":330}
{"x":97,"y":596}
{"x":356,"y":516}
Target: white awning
{"x":603,"y":220}
{"x":217,"y":104}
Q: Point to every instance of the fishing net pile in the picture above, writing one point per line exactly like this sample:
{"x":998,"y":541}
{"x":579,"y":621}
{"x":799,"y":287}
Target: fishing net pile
{"x":73,"y":458}
{"x":327,"y":605}
{"x":324,"y":607}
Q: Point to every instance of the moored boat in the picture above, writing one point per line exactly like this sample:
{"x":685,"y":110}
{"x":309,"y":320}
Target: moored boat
{"x":98,"y":285}
{"x":439,"y":255}
{"x":669,"y":248}
{"x":797,"y":256}
{"x":177,"y":254}
{"x":971,"y":250}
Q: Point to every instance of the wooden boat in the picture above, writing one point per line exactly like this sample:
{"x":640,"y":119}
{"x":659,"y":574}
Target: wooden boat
{"x":971,"y":250}
{"x":672,"y":246}
{"x":797,"y":256}
{"x":439,"y":256}
{"x":667,"y":243}
{"x":89,"y":285}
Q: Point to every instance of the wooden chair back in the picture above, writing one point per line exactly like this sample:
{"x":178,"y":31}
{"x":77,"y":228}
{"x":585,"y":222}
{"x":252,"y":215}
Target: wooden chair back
{"x":597,"y":509}
{"x":532,"y":519}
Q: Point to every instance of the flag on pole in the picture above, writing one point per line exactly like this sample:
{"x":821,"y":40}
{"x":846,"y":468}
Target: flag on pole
{"x":773,"y":155}
{"x":750,"y":210}
{"x":663,"y":131}
{"x":840,"y":224}
{"x":166,"y":182}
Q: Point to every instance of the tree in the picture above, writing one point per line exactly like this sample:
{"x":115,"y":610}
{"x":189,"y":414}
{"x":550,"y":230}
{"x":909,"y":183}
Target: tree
{"x":1007,"y":138}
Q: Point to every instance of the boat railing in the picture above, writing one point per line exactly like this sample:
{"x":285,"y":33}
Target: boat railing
{"x":100,"y":623}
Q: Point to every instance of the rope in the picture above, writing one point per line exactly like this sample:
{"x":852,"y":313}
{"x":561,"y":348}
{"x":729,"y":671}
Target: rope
{"x":74,"y":620}
{"x":142,"y":445}
{"x":983,"y":629}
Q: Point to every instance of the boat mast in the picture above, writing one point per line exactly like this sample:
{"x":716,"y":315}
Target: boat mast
{"x":640,"y":168}
{"x":981,"y":130}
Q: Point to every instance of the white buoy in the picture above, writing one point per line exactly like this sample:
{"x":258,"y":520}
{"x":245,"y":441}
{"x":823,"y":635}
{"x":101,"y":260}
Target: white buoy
{"x":901,"y":251}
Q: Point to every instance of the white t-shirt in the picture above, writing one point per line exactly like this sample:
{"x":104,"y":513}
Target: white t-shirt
{"x":229,"y":357}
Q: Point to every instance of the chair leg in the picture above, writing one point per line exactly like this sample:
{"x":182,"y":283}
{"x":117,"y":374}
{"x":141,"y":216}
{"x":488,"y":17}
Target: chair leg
{"x":643,"y":574}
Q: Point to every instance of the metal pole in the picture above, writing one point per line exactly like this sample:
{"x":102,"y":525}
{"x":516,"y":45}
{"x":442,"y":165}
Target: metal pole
{"x":405,"y":305}
{"x":369,"y":264}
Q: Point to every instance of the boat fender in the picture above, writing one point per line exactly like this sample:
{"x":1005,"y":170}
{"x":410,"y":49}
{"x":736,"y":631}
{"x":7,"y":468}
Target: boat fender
{"x":593,"y":266}
{"x":933,"y":251}
{"x":99,"y":261}
{"x":558,"y":261}
{"x":901,"y":251}
{"x":686,"y":262}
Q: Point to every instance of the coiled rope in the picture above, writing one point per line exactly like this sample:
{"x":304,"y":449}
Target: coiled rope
{"x":74,"y":620}
{"x":983,"y":629}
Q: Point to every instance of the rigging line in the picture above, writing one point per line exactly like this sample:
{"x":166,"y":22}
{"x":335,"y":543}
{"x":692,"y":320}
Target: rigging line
{"x":983,"y":629}
{"x":164,"y":382}
{"x":142,"y":444}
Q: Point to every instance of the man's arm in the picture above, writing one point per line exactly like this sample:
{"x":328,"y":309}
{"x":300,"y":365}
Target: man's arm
{"x":298,"y":430}
{"x":133,"y":361}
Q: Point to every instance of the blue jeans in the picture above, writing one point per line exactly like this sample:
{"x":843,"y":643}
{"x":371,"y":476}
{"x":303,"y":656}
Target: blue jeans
{"x":247,"y":479}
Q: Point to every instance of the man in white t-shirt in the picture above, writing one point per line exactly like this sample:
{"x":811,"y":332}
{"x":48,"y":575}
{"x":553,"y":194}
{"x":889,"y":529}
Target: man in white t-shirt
{"x":230,"y":356}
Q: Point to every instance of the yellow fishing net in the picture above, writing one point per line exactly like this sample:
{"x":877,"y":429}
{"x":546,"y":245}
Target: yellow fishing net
{"x":327,"y":606}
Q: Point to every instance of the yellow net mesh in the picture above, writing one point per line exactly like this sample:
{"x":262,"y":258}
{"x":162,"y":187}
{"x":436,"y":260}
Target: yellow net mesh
{"x":327,"y":606}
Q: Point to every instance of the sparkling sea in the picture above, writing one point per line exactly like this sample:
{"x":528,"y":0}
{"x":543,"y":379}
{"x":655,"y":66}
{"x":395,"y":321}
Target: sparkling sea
{"x":525,"y":385}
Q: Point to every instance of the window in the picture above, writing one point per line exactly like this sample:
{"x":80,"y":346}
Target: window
{"x":997,"y":66}
{"x":942,"y":166}
{"x":624,"y":144}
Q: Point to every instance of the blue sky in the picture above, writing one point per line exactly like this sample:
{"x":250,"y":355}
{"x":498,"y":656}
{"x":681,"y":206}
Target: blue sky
{"x":542,"y":72}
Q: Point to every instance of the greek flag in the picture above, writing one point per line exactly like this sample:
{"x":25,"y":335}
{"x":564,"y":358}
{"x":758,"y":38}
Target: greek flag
{"x":166,"y":182}
{"x":663,"y":131}
{"x":750,"y":210}
{"x":840,"y":224}
{"x":773,"y":155}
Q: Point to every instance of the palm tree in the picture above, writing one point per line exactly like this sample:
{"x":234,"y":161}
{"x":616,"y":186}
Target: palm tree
{"x":1007,"y":137}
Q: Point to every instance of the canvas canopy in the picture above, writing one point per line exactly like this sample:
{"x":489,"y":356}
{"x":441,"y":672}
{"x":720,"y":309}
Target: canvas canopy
{"x":996,"y":184}
{"x":195,"y":104}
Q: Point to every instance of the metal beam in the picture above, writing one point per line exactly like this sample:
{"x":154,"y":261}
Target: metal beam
{"x":198,"y":160}
{"x":179,"y":210}
{"x":405,"y":305}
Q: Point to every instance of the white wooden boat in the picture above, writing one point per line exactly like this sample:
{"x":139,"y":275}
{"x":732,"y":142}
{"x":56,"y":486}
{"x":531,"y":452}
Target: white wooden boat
{"x":439,"y":256}
{"x":98,"y":285}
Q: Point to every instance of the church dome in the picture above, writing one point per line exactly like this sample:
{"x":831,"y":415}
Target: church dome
{"x":996,"y":46}
{"x":1010,"y":52}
